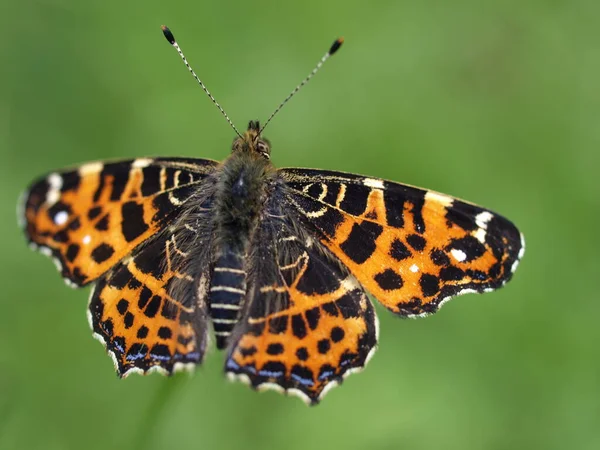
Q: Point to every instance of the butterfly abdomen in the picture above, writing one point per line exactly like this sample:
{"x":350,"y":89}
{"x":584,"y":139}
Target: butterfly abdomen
{"x":226,"y":294}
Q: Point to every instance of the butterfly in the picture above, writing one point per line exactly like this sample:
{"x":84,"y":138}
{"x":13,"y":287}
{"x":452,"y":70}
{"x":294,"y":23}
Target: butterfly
{"x":274,"y":263}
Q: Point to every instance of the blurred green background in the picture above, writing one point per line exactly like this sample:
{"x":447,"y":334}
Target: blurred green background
{"x":497,"y":102}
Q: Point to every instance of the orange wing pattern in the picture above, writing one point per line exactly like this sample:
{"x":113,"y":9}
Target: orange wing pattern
{"x":88,"y":219}
{"x":148,"y":311}
{"x":412,"y":249}
{"x":306,"y":323}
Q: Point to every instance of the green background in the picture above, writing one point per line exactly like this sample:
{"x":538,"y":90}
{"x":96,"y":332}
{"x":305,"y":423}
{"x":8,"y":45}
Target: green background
{"x":497,"y":102}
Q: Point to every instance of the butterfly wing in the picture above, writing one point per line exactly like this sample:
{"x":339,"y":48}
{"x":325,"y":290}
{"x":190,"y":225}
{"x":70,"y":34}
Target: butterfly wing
{"x":412,"y":249}
{"x":150,"y":310}
{"x":306,"y":323}
{"x":88,"y":219}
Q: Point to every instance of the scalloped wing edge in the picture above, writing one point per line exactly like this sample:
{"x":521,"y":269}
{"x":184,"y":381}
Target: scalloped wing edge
{"x":294,"y":392}
{"x":177,"y":367}
{"x":445,"y":300}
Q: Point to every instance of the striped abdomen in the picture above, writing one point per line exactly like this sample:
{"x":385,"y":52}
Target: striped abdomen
{"x":226,"y":294}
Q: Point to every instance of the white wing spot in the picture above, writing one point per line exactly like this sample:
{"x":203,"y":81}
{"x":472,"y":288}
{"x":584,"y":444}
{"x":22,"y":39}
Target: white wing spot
{"x":414,"y":268}
{"x":61,"y":217}
{"x":57,"y":264}
{"x":459,"y":255}
{"x":53,"y":195}
{"x":341,"y":195}
{"x":483,"y":218}
{"x":86,"y":239}
{"x":522,"y":251}
{"x":174,"y":200}
{"x":513,"y":268}
{"x":480,"y":235}
{"x":323,"y":192}
{"x":55,"y":181}
{"x":315,"y":214}
{"x":140,"y":163}
{"x":373,"y":183}
{"x":436,"y":197}
{"x":91,"y":168}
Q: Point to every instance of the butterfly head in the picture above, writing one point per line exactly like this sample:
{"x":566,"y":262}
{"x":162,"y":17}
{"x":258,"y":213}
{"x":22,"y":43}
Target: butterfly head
{"x":252,"y":142}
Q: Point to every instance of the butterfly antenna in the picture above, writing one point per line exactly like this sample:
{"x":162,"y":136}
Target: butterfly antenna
{"x":174,"y":43}
{"x":334,"y":48}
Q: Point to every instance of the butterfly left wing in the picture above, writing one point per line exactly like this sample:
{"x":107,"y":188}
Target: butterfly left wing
{"x":89,"y":218}
{"x":412,"y":249}
{"x":306,"y":322}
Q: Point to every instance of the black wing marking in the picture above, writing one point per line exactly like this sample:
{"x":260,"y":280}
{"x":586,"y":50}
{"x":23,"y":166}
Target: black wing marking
{"x":412,"y":249}
{"x":89,"y":218}
{"x":307,"y":323}
{"x":151,"y":310}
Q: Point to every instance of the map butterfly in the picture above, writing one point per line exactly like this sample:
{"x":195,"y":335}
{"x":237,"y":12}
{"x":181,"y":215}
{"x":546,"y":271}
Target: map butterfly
{"x":275,"y":263}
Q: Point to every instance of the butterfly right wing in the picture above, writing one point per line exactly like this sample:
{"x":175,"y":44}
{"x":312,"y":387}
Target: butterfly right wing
{"x":150,"y":311}
{"x":89,"y":218}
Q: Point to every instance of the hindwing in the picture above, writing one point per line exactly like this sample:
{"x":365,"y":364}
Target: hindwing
{"x":150,"y":310}
{"x":306,"y":323}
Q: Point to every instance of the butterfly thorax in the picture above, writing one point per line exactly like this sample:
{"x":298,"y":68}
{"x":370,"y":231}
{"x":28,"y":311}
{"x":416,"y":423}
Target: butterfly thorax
{"x":240,"y":194}
{"x":242,"y":189}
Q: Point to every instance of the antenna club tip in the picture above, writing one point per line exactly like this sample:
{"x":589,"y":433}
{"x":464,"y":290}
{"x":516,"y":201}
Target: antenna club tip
{"x":336,"y":45}
{"x":168,"y":35}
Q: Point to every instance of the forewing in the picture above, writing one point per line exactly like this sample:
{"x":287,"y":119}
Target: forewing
{"x":412,"y":249}
{"x":150,"y":310}
{"x":307,"y":323}
{"x":89,"y":218}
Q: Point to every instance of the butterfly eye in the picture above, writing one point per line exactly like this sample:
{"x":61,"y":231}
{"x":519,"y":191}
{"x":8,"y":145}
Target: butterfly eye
{"x":263,"y":149}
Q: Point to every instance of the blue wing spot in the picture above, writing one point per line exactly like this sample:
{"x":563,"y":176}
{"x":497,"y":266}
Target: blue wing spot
{"x":326,"y":374}
{"x":269,"y":374}
{"x":195,"y":356}
{"x":302,"y":381}
{"x":119,"y":344}
{"x":232,"y":364}
{"x":137,"y":351}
